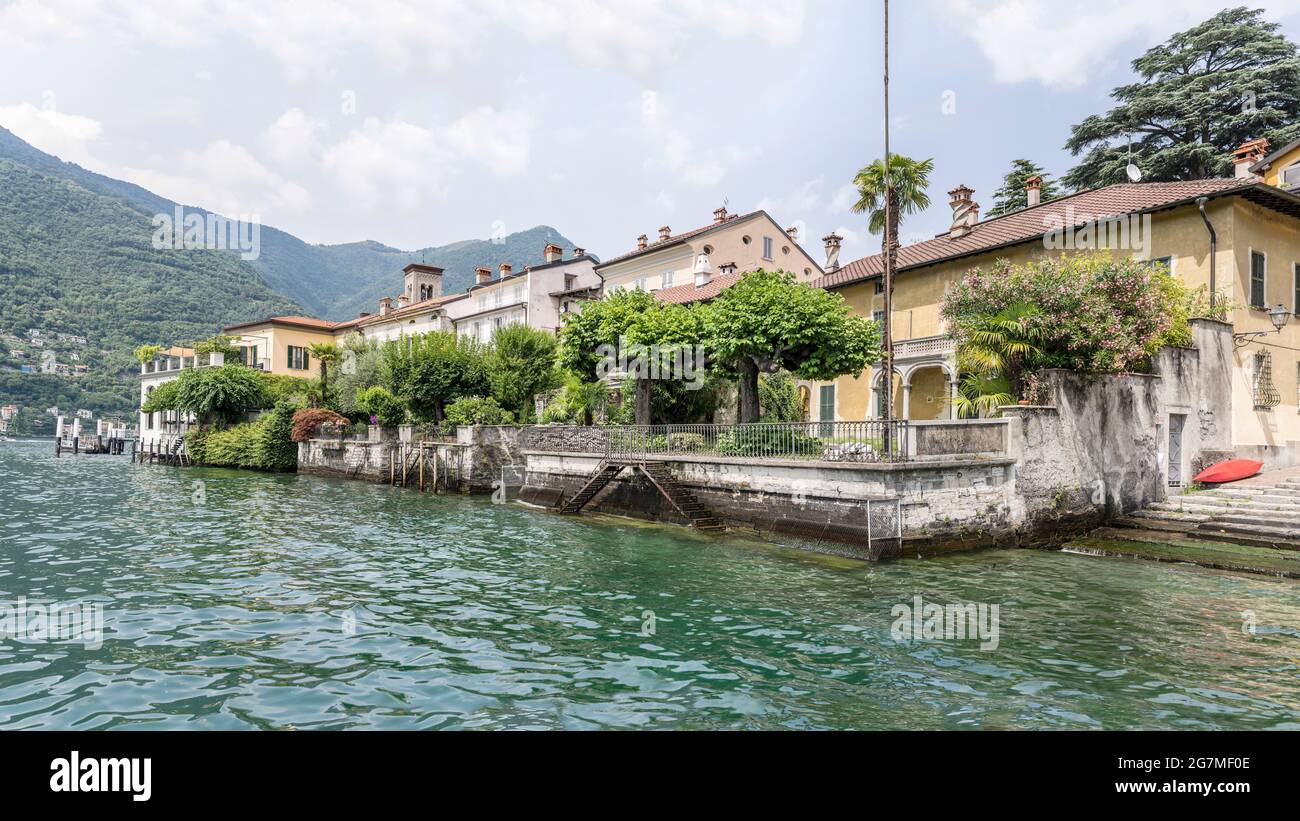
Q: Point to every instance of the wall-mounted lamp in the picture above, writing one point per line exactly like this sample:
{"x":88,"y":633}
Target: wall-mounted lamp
{"x":1279,"y":316}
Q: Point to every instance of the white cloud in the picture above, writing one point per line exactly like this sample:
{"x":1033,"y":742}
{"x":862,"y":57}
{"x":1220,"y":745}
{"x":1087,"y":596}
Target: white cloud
{"x":1062,"y":45}
{"x":225,"y":178}
{"x":294,"y":138}
{"x":394,"y":162}
{"x":676,"y":153}
{"x":67,"y":136}
{"x":309,"y":39}
{"x":499,"y":140}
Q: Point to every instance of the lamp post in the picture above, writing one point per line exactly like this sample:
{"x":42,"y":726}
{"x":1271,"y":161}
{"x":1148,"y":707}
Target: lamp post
{"x":1278,"y":315}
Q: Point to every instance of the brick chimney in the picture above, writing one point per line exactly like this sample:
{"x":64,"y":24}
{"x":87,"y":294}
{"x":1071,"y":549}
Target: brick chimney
{"x":965,"y":211}
{"x":664,"y":233}
{"x":482,"y":276}
{"x":642,"y":242}
{"x":719,"y":215}
{"x":552,"y":252}
{"x":385,"y":305}
{"x":579,"y":253}
{"x":832,"y":241}
{"x":1247,"y":155}
{"x":1034,"y":191}
{"x":403,"y":301}
{"x":504,"y":268}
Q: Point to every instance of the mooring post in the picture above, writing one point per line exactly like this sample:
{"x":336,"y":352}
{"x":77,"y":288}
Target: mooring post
{"x":76,"y":445}
{"x":421,"y":468}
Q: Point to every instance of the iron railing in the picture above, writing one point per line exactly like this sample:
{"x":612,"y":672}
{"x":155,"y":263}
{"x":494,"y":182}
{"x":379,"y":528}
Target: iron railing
{"x":868,"y":441}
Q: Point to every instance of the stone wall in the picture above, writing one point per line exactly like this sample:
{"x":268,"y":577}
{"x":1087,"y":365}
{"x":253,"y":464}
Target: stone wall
{"x":472,"y":464}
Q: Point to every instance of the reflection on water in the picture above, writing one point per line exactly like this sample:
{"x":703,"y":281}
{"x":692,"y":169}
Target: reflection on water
{"x":240,"y":600}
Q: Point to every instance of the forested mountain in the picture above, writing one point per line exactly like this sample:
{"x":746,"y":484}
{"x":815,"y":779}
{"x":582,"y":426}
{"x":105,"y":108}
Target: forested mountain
{"x":76,"y":257}
{"x":330,"y":281}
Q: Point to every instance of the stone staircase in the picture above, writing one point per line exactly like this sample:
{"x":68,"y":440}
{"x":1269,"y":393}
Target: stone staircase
{"x":1255,"y":515}
{"x":679,"y":497}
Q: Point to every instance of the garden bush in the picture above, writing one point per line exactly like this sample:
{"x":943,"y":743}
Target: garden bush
{"x":307,"y":420}
{"x":381,"y":406}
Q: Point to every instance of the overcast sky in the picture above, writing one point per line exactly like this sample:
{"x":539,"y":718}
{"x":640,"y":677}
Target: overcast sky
{"x":422,"y":122}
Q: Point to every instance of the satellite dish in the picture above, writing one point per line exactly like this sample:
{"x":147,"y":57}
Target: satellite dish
{"x":1134,"y":173}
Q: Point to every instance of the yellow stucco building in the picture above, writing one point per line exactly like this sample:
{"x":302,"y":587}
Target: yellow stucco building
{"x":1256,"y":266}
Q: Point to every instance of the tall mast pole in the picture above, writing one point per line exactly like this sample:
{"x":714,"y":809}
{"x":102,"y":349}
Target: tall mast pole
{"x":887,"y":364}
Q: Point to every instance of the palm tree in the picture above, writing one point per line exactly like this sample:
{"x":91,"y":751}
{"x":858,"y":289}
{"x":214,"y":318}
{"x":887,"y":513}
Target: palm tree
{"x":327,"y":353}
{"x":910,"y":179}
{"x":996,"y":354}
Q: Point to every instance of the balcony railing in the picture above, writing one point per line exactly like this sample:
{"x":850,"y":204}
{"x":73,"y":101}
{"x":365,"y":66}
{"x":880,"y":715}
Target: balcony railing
{"x":926,"y":346}
{"x":868,"y":441}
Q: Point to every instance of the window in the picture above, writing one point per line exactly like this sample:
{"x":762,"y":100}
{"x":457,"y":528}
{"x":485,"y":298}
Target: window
{"x":826,"y":407}
{"x":299,"y":359}
{"x":1167,"y":262}
{"x":668,"y":279}
{"x":519,"y":293}
{"x":1295,"y":288}
{"x":638,"y":284}
{"x":877,"y":316}
{"x":767,"y":247}
{"x":880,"y":288}
{"x":1291,"y":176}
{"x":1258,"y":273}
{"x":1265,"y":395}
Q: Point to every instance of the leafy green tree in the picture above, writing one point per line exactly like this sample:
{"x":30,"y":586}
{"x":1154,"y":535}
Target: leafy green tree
{"x":221,"y":343}
{"x":219,"y":395}
{"x":768,"y":321}
{"x":478,"y":410}
{"x":360,"y":367}
{"x":147,"y":353}
{"x":1012,"y":197}
{"x":611,"y":327}
{"x":1202,"y":93}
{"x":521,"y":364}
{"x":162,"y":398}
{"x":328,"y":354}
{"x":430,"y":371}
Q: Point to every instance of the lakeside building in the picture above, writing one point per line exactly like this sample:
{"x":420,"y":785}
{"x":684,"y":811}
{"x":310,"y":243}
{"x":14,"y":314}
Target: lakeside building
{"x":1256,"y":267}
{"x":538,"y":296}
{"x":698,"y":264}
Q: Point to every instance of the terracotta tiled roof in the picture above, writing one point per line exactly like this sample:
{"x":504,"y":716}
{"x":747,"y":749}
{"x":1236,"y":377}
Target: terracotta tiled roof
{"x":676,"y":238}
{"x":683,"y":294}
{"x":413,"y":308}
{"x":294,"y":321}
{"x":1031,"y":223}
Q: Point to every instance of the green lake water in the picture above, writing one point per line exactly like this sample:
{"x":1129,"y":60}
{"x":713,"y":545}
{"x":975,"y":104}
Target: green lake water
{"x":242,"y":600}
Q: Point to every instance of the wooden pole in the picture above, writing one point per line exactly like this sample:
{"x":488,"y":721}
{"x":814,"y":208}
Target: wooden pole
{"x":421,"y":468}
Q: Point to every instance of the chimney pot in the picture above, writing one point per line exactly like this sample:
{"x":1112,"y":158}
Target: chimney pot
{"x":664,"y":233}
{"x":579,"y":253}
{"x":482,"y":276}
{"x":552,"y":252}
{"x":1034,"y":191}
{"x":965,"y":211}
{"x":1247,"y":155}
{"x":385,"y":305}
{"x":642,"y":242}
{"x":505,"y":269}
{"x":403,"y":301}
{"x":832,"y":241}
{"x":719,"y":215}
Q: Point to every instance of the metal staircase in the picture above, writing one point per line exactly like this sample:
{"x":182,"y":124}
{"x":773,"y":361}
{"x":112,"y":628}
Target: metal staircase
{"x":682,"y":500}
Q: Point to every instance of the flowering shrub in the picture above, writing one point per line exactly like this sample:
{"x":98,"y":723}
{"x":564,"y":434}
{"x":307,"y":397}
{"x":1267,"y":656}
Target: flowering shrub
{"x":1086,"y":312}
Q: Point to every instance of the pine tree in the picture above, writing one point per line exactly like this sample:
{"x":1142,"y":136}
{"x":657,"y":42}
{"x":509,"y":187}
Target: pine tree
{"x":1202,"y":94}
{"x":1012,"y":197}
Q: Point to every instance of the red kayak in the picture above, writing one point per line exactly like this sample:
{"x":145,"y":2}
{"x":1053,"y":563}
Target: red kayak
{"x":1229,"y":471}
